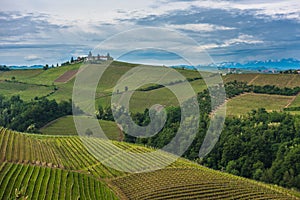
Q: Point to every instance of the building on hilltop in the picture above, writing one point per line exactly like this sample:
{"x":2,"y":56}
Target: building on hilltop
{"x":98,"y":58}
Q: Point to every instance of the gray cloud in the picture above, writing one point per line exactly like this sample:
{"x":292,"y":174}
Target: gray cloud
{"x":230,"y":30}
{"x":17,"y":24}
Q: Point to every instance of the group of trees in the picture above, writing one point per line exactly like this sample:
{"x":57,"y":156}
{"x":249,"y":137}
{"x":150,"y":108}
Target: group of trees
{"x":4,"y":68}
{"x":236,"y":88}
{"x":290,"y":71}
{"x":262,"y":146}
{"x":19,"y":115}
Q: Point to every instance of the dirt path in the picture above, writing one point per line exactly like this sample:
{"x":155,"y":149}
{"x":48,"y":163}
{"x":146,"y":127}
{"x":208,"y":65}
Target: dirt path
{"x":290,"y":81}
{"x":250,"y":82}
{"x":291,"y":101}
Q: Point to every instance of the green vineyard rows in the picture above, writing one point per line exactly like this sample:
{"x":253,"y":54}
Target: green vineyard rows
{"x":60,"y":167}
{"x":50,"y":183}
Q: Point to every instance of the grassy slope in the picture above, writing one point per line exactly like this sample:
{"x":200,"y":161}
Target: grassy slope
{"x":140,"y":100}
{"x":65,"y":126}
{"x":61,"y":167}
{"x":296,"y":102}
{"x":38,"y":76}
{"x":105,"y":86}
{"x":26,"y":91}
{"x":245,"y":103}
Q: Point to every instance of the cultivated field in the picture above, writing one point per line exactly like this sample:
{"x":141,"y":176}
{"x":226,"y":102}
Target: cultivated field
{"x":140,"y":99}
{"x":280,"y":80}
{"x":51,"y":167}
{"x":65,"y":126}
{"x":50,"y":183}
{"x":191,"y":183}
{"x":296,"y":102}
{"x":68,"y":75}
{"x":243,"y":104}
{"x":27,"y":92}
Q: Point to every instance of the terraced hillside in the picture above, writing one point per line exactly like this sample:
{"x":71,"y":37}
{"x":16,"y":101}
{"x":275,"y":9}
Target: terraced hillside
{"x":48,"y":167}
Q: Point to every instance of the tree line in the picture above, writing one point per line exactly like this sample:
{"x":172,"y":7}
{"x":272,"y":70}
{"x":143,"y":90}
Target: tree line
{"x":235,"y":88}
{"x":19,"y":115}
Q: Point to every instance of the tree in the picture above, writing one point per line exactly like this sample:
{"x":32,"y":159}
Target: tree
{"x":13,"y":78}
{"x":72,"y":59}
{"x":46,"y":67}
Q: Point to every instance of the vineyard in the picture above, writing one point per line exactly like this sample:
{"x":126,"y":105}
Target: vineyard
{"x":242,"y":104}
{"x":279,"y":80}
{"x":50,"y":183}
{"x":191,"y":183}
{"x":60,"y":167}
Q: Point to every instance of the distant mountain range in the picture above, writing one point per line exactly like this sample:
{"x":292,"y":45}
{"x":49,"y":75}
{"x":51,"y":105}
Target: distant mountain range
{"x":261,"y":66}
{"x":26,"y":67}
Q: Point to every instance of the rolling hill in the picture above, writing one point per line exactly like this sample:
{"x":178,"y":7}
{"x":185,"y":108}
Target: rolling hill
{"x":56,"y":164}
{"x":60,"y":167}
{"x":43,"y":83}
{"x":65,"y":126}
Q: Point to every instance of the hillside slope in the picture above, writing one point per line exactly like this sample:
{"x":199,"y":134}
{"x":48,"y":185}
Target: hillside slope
{"x":62,"y":168}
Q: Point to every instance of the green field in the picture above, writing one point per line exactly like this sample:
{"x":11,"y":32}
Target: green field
{"x":140,"y":99}
{"x":27,"y":92}
{"x":296,"y":102}
{"x":280,"y":80}
{"x":38,"y":76}
{"x":240,"y":77}
{"x":243,"y":104}
{"x":52,"y":167}
{"x":105,"y":86}
{"x":65,"y":126}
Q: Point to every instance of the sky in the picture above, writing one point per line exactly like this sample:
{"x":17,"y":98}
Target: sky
{"x":40,"y":31}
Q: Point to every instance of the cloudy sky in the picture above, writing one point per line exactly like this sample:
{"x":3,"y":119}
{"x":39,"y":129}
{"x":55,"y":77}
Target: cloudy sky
{"x":40,"y":31}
